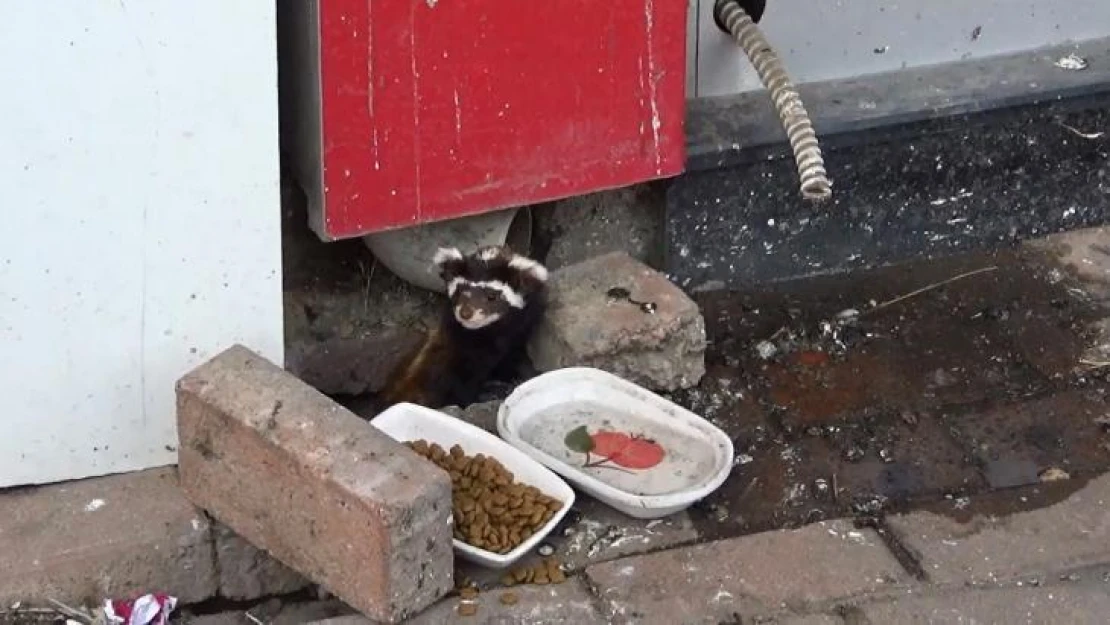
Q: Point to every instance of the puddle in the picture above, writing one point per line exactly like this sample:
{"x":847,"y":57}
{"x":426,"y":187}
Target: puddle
{"x":961,"y":397}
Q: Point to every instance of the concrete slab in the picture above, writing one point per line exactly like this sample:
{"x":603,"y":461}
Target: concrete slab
{"x":748,"y":576}
{"x":1070,"y":534}
{"x":1074,"y":605}
{"x":562,"y":604}
{"x":83,"y":541}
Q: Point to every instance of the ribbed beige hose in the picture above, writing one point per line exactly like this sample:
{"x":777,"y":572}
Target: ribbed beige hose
{"x":815,"y":183}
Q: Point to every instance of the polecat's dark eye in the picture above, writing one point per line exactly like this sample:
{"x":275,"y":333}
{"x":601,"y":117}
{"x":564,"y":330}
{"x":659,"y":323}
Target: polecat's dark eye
{"x":491,"y":297}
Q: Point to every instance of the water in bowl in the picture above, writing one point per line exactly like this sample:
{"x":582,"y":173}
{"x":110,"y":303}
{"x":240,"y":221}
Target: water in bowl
{"x":622,"y":449}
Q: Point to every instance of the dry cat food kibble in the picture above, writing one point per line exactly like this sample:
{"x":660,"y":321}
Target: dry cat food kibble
{"x":509,"y":598}
{"x":492,"y":511}
{"x":546,"y":572}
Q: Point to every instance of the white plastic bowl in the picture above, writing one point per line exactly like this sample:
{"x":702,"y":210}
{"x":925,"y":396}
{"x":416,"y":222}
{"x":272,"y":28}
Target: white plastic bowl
{"x":540,"y":414}
{"x":406,"y":422}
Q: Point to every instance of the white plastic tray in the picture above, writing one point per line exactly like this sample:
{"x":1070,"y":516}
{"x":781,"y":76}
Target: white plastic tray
{"x":406,"y":422}
{"x":544,"y":417}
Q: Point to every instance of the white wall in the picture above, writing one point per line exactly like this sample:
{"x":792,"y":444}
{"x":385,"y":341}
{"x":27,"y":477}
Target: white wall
{"x":140,"y":181}
{"x":833,"y":39}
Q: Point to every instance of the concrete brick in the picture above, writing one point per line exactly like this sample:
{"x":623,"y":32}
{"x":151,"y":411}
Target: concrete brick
{"x":751,"y":575}
{"x":309,"y":482}
{"x":247,"y":572}
{"x":1074,"y":605}
{"x":1070,"y":534}
{"x":83,"y":541}
{"x":562,"y":604}
{"x":663,"y":350}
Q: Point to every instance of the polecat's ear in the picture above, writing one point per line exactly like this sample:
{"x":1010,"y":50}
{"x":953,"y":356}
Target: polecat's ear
{"x":532,"y":275}
{"x":449,"y":261}
{"x":492,"y":254}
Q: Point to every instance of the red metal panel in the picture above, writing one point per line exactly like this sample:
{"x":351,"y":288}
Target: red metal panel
{"x":443,"y":108}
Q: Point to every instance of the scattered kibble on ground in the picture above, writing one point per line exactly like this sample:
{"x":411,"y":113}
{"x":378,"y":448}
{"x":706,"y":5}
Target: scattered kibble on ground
{"x":548,"y":571}
{"x":492,"y":511}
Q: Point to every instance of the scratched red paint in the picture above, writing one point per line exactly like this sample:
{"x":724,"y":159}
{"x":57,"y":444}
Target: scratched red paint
{"x":443,"y":108}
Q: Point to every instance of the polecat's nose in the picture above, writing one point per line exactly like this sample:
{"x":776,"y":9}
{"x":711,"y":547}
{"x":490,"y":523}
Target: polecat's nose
{"x":466,"y":312}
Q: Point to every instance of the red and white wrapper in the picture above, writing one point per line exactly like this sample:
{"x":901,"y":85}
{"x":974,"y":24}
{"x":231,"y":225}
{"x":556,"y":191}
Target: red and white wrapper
{"x":150,"y":609}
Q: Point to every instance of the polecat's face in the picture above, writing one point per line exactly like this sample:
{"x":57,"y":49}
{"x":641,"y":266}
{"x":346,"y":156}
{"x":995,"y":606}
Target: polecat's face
{"x":477,"y":305}
{"x":488,"y":284}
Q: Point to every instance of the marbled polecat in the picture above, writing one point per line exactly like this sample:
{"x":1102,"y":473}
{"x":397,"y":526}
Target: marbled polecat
{"x":497,"y":298}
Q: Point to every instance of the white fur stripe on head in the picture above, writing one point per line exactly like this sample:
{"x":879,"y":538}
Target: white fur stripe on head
{"x":515,"y":300}
{"x":530,"y":267}
{"x":447,"y":254}
{"x":507,"y":293}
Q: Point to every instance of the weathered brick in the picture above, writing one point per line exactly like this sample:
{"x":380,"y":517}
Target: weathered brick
{"x":320,"y":489}
{"x":1070,"y":534}
{"x":585,"y":326}
{"x":80,"y":542}
{"x":247,"y":572}
{"x":745,"y":576}
{"x":1074,"y":605}
{"x":568,"y":603}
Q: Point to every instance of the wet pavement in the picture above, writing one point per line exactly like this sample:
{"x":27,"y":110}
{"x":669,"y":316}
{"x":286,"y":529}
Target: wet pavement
{"x":842,"y":401}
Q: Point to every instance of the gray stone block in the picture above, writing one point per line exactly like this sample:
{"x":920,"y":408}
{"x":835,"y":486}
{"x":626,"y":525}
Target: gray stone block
{"x":597,"y":318}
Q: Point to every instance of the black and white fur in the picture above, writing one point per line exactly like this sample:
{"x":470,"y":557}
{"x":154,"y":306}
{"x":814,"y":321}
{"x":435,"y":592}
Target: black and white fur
{"x":497,"y":298}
